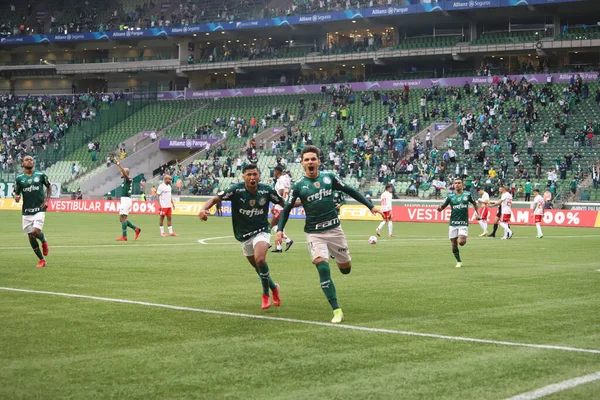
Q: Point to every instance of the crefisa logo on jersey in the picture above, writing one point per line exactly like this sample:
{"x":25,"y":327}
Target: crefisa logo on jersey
{"x":317,"y":185}
{"x":326,"y":180}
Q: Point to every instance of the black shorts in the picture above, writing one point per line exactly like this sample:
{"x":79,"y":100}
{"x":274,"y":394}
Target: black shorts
{"x":499,"y":213}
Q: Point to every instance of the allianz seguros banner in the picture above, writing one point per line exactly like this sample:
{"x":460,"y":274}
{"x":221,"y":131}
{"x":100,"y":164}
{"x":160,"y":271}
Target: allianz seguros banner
{"x":449,"y":5}
{"x":7,"y":189}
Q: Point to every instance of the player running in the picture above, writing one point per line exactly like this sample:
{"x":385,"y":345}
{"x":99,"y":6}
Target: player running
{"x":483,"y":201}
{"x":126,"y":203}
{"x":166,"y":205}
{"x":30,"y":184}
{"x":506,"y":210}
{"x":459,"y":218}
{"x":282,"y":187}
{"x":386,"y":211}
{"x":323,"y":231}
{"x":538,"y":211}
{"x":249,"y":216}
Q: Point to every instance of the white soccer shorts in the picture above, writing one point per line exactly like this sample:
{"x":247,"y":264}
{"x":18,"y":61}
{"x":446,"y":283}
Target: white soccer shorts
{"x":456,"y":231}
{"x":331,"y":242}
{"x":248,"y":245}
{"x":125,"y":205}
{"x":35,"y":221}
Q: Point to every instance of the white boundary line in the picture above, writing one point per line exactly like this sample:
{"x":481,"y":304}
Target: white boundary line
{"x":203,"y":242}
{"x":306,"y":322}
{"x":557,"y":387}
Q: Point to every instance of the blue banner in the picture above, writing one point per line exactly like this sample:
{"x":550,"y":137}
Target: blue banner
{"x":449,"y":5}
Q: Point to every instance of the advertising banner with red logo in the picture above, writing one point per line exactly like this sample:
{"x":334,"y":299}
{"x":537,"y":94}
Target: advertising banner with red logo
{"x":582,"y":219}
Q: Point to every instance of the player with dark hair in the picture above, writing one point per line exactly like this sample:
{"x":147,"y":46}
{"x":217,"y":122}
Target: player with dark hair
{"x":249,"y":216}
{"x":459,"y":218}
{"x":537,"y":207}
{"x":386,"y":211}
{"x":506,"y":206}
{"x":126,"y":203}
{"x":323,"y":231}
{"x":30,"y":185}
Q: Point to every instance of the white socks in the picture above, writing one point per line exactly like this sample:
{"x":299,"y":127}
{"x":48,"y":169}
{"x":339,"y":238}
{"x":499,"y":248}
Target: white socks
{"x":390,"y":228}
{"x":483,"y":225}
{"x":381,"y":225}
{"x":539,"y":229}
{"x":507,"y":231}
{"x":162,"y":230}
{"x":170,"y":230}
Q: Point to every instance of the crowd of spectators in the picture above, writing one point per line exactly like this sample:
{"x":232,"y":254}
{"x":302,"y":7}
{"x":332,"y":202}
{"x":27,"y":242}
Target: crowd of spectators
{"x":34,"y":124}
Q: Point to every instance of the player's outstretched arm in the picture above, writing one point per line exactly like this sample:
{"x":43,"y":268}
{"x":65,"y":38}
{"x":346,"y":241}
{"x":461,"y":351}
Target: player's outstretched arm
{"x":123,"y":172}
{"x":444,"y":205}
{"x":203,"y":214}
{"x":355,"y":194}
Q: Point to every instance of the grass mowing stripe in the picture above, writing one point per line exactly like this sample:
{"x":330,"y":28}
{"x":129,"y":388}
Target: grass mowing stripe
{"x":305,"y":322}
{"x":557,"y":387}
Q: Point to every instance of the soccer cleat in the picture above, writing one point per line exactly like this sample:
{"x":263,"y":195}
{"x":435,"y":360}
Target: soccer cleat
{"x":45,"y":248}
{"x":163,"y":234}
{"x":122,"y":239}
{"x":510,"y":235}
{"x":277,"y":251}
{"x":288,"y":245}
{"x":492,"y":236}
{"x":392,"y":235}
{"x":137,"y":232}
{"x":458,"y":265}
{"x":276,"y":298}
{"x":539,"y":236}
{"x":503,"y":238}
{"x":484,"y":234}
{"x":41,"y":264}
{"x":173,"y":234}
{"x":338,"y":316}
{"x":266,"y":301}
{"x":377,"y":232}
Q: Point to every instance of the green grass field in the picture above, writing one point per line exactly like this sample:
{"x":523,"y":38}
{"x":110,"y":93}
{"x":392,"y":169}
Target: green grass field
{"x":524,"y":291}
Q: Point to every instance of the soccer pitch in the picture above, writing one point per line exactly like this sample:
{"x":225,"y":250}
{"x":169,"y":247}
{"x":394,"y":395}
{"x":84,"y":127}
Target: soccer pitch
{"x":520,"y":315}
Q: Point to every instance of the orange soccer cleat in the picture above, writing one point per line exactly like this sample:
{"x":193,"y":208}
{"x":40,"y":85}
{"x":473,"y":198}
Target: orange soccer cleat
{"x":276,"y":298}
{"x":41,"y":264}
{"x":45,"y":249}
{"x":173,"y":234}
{"x":121,"y":239}
{"x":137,"y":233}
{"x":266,"y":301}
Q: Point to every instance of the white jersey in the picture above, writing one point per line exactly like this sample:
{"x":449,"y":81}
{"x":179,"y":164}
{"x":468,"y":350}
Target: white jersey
{"x":484,"y":199}
{"x":506,"y":203}
{"x":538,"y":205}
{"x":164,"y":195}
{"x":283,"y":184}
{"x":386,"y":201}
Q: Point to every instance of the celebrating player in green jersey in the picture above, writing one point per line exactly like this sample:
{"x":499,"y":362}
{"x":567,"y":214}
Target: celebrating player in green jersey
{"x":30,"y":184}
{"x":323,"y":231}
{"x":459,"y":218}
{"x":126,"y":204}
{"x":250,"y":218}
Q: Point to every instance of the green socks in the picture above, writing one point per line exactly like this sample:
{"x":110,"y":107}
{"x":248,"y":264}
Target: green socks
{"x":327,"y":284}
{"x":124,"y":226}
{"x":42,"y":237}
{"x":456,"y":254}
{"x":265,"y":278}
{"x":36,"y":248}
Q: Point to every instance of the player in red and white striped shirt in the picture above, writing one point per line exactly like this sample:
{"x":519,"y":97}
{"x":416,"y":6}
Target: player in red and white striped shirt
{"x":386,"y":211}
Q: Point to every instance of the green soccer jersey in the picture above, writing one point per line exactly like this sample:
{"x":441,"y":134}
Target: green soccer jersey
{"x":126,"y":187}
{"x":460,"y":208}
{"x":317,"y":197}
{"x":250,"y":212}
{"x":33,"y":190}
{"x":338,"y":200}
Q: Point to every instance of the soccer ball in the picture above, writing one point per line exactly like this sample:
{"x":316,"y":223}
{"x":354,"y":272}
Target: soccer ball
{"x":372,"y":240}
